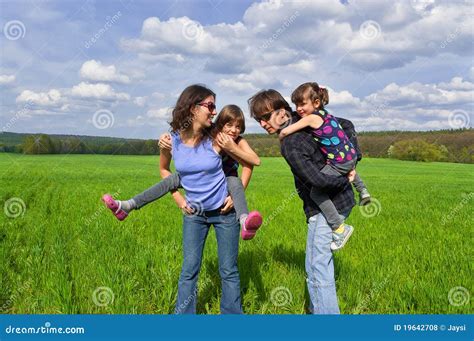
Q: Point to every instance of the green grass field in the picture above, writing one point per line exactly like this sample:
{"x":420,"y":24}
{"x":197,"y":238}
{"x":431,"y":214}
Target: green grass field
{"x":62,"y":252}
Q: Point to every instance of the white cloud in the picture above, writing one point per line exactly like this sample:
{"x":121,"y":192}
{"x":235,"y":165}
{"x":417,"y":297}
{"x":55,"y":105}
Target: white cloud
{"x":395,"y":123}
{"x":165,"y":58}
{"x":240,"y":86}
{"x":140,"y":101}
{"x":457,"y":83}
{"x":157,"y":117}
{"x":326,"y":29}
{"x":417,"y":94}
{"x":414,"y":106}
{"x":179,"y":35}
{"x":303,"y":66}
{"x":94,"y":71}
{"x":7,"y":79}
{"x":48,"y":99}
{"x":99,"y":91}
{"x":343,"y":99}
{"x":158,"y":95}
{"x":161,"y":113}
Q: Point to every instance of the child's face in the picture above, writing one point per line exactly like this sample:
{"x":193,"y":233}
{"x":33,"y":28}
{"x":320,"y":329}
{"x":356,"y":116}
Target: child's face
{"x":232,"y":129}
{"x":307,"y":107}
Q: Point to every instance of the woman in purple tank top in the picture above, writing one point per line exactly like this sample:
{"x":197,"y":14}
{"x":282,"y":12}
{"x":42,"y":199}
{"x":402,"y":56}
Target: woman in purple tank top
{"x":199,"y":165}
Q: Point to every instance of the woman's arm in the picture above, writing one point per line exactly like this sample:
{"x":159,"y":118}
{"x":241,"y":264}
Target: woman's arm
{"x":313,"y":121}
{"x":165,"y":161}
{"x":240,"y":152}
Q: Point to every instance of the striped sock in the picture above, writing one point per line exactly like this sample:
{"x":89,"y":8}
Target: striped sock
{"x":243,"y":218}
{"x":128,"y":205}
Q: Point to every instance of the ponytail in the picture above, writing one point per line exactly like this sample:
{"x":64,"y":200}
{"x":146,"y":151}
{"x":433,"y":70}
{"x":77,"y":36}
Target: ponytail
{"x":324,"y":96}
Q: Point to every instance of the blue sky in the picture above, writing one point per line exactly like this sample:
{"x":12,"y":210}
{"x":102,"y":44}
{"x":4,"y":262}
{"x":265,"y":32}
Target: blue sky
{"x":115,"y":68}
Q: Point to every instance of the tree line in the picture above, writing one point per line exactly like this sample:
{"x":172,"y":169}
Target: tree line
{"x":445,"y":145}
{"x":44,"y":144}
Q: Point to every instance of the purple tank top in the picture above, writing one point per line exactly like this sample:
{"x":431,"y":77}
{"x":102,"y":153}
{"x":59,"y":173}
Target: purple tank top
{"x":200,"y":171}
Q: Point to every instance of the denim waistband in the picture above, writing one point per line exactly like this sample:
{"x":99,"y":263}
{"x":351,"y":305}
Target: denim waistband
{"x":212,"y":213}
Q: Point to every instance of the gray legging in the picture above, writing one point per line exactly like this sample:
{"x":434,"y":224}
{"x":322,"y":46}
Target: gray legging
{"x":323,"y":201}
{"x":173,"y":182}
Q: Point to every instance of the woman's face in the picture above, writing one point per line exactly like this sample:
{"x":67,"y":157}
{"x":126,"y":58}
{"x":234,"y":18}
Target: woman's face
{"x":204,"y":112}
{"x":232,"y":129}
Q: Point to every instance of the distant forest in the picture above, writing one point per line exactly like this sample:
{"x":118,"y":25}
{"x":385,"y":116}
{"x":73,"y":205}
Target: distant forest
{"x":441,"y":145}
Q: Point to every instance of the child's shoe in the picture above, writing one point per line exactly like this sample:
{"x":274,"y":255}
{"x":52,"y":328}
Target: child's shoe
{"x":251,"y":225}
{"x":115,"y":206}
{"x":340,"y":239}
{"x":364,"y":197}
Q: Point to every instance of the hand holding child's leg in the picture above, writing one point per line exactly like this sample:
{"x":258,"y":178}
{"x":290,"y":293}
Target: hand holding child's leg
{"x":249,"y":222}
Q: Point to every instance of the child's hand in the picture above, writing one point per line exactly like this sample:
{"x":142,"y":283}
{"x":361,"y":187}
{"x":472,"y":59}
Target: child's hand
{"x":165,"y":141}
{"x":283,"y":134}
{"x":225,"y":142}
{"x":228,"y":205}
{"x":351,"y":175}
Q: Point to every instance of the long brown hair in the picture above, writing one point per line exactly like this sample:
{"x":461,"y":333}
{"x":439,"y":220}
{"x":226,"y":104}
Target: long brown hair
{"x":312,"y":91}
{"x":229,"y":113}
{"x":182,"y":116}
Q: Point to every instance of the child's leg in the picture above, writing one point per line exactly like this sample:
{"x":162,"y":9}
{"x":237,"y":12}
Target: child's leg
{"x":250,"y":222}
{"x":364,"y":195}
{"x":155,"y":192}
{"x":121,"y":208}
{"x":341,"y":231}
{"x":358,"y":183}
{"x":237,"y":192}
{"x":328,"y":209}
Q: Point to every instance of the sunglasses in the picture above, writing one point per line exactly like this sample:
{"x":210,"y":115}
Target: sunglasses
{"x":209,"y":105}
{"x":266,"y":117}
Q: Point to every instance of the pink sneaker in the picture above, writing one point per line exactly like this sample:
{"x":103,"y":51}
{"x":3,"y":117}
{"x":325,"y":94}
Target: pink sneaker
{"x":246,"y":235}
{"x":251,"y":225}
{"x":114,"y":206}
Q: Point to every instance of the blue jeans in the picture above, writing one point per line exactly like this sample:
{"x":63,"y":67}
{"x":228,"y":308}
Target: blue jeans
{"x":319,"y":265}
{"x":195,"y":230}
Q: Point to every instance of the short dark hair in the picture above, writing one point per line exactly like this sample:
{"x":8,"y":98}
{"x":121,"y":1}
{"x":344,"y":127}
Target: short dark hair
{"x":265,"y":101}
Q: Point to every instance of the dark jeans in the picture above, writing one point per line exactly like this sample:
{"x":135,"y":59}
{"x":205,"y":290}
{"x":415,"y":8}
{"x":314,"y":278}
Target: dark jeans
{"x":195,"y":230}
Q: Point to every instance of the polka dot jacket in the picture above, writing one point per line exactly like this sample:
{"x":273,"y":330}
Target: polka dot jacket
{"x":332,"y":139}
